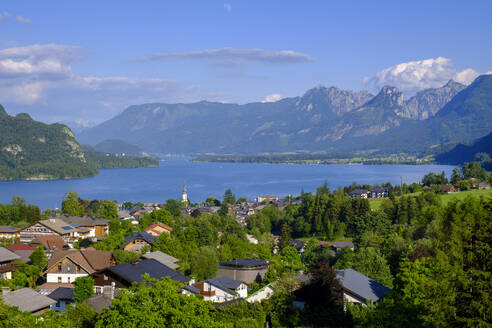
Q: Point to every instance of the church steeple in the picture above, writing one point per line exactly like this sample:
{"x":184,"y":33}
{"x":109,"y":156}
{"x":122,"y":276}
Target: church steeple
{"x":184,"y":196}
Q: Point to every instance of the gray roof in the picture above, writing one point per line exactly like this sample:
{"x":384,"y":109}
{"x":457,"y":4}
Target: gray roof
{"x":341,"y":244}
{"x":244,"y":263}
{"x":83,"y":221}
{"x":23,"y":255}
{"x":191,"y":289}
{"x":4,"y":228}
{"x":27,"y":299}
{"x":6,"y":255}
{"x":59,"y":226}
{"x":62,"y":293}
{"x":132,"y":272}
{"x":224,"y":283}
{"x":99,"y":302}
{"x":361,"y":285}
{"x":162,"y":258}
{"x":142,"y":235}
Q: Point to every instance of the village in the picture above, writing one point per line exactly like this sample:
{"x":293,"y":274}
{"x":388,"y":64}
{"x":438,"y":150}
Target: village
{"x":61,"y":237}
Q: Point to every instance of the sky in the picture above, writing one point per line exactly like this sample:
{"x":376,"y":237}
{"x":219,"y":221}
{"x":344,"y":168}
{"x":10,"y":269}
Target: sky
{"x":86,"y":61}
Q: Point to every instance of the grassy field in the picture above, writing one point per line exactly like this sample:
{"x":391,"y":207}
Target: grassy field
{"x":376,"y":203}
{"x":446,"y":198}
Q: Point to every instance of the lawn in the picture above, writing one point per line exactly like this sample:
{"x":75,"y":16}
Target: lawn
{"x":376,"y":203}
{"x":446,"y":198}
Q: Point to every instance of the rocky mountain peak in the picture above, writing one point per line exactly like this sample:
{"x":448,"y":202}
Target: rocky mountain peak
{"x":427,"y":103}
{"x":332,"y":99}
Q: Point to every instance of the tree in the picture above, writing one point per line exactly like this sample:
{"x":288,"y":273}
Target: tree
{"x":83,"y":288}
{"x":456,"y":176}
{"x":106,"y":209}
{"x":174,"y":207}
{"x":39,"y":258}
{"x":205,"y":263}
{"x":229,"y":197}
{"x":371,"y":263}
{"x":285,"y":236}
{"x":324,"y":297}
{"x":71,"y":204}
{"x":158,"y":304}
{"x":474,"y":170}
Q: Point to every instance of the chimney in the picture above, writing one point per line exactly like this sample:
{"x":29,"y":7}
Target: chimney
{"x":5,"y":290}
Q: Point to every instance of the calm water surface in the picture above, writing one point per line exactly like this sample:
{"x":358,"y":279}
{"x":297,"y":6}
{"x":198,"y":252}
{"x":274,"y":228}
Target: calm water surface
{"x":157,"y":184}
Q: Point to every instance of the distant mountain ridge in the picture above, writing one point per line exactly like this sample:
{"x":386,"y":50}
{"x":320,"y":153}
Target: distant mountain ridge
{"x":323,"y":119}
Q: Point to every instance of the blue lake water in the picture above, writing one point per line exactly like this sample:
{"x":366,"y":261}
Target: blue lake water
{"x":157,"y":184}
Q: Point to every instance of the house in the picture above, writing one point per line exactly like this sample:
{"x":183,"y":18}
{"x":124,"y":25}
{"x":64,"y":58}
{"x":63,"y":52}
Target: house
{"x":299,"y":245}
{"x":137,"y":241}
{"x":361,"y":193}
{"x":27,"y":300}
{"x":267,"y":198}
{"x":163,"y":258}
{"x":378,"y":192}
{"x":123,"y":275}
{"x":69,"y":233}
{"x":338,"y":245}
{"x":484,"y":185}
{"x":9,"y":232}
{"x":65,"y":266}
{"x":6,"y":265}
{"x":448,"y":188}
{"x":218,"y":289}
{"x":23,"y":250}
{"x":360,"y":289}
{"x":97,"y":227}
{"x":49,"y":242}
{"x":246,"y":270}
{"x":261,"y":294}
{"x":102,"y":301}
{"x":155,"y":229}
{"x":63,"y":296}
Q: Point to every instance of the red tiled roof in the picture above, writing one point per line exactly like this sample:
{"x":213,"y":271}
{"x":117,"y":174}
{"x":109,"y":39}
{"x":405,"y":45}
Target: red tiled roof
{"x":20,"y":247}
{"x":51,"y":242}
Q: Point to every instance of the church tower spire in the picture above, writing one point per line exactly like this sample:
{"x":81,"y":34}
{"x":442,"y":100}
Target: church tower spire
{"x":184,"y":196}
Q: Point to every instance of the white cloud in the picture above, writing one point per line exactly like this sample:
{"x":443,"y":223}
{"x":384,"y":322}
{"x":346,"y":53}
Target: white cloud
{"x":23,"y":20}
{"x":227,"y":7}
{"x":414,"y":76}
{"x":272,"y":98}
{"x":39,"y":79}
{"x":235,"y":56}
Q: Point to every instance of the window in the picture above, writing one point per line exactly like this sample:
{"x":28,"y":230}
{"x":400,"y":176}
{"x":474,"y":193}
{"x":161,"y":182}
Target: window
{"x":59,"y":280}
{"x":59,"y":266}
{"x":68,"y":278}
{"x":105,"y":277}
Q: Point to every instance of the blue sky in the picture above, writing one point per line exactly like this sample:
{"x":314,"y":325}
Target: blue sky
{"x":88,"y":60}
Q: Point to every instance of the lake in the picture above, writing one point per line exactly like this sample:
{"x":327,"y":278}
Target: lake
{"x":156,"y":184}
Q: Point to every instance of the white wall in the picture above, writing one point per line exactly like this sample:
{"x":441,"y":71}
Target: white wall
{"x":53,"y":277}
{"x":261,"y":295}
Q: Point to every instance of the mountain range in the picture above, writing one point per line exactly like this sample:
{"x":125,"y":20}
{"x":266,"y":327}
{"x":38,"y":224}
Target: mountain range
{"x":323,"y":119}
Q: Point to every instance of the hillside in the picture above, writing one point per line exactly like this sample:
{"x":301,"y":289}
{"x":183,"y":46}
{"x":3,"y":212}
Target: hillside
{"x":468,"y":153}
{"x":323,"y":119}
{"x":116,"y":146}
{"x":34,"y":151}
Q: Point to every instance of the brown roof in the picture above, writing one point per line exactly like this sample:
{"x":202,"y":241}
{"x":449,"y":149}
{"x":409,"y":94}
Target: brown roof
{"x":89,"y":260}
{"x":50,"y":242}
{"x":20,"y":247}
{"x":55,"y":285}
{"x":158,"y":224}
